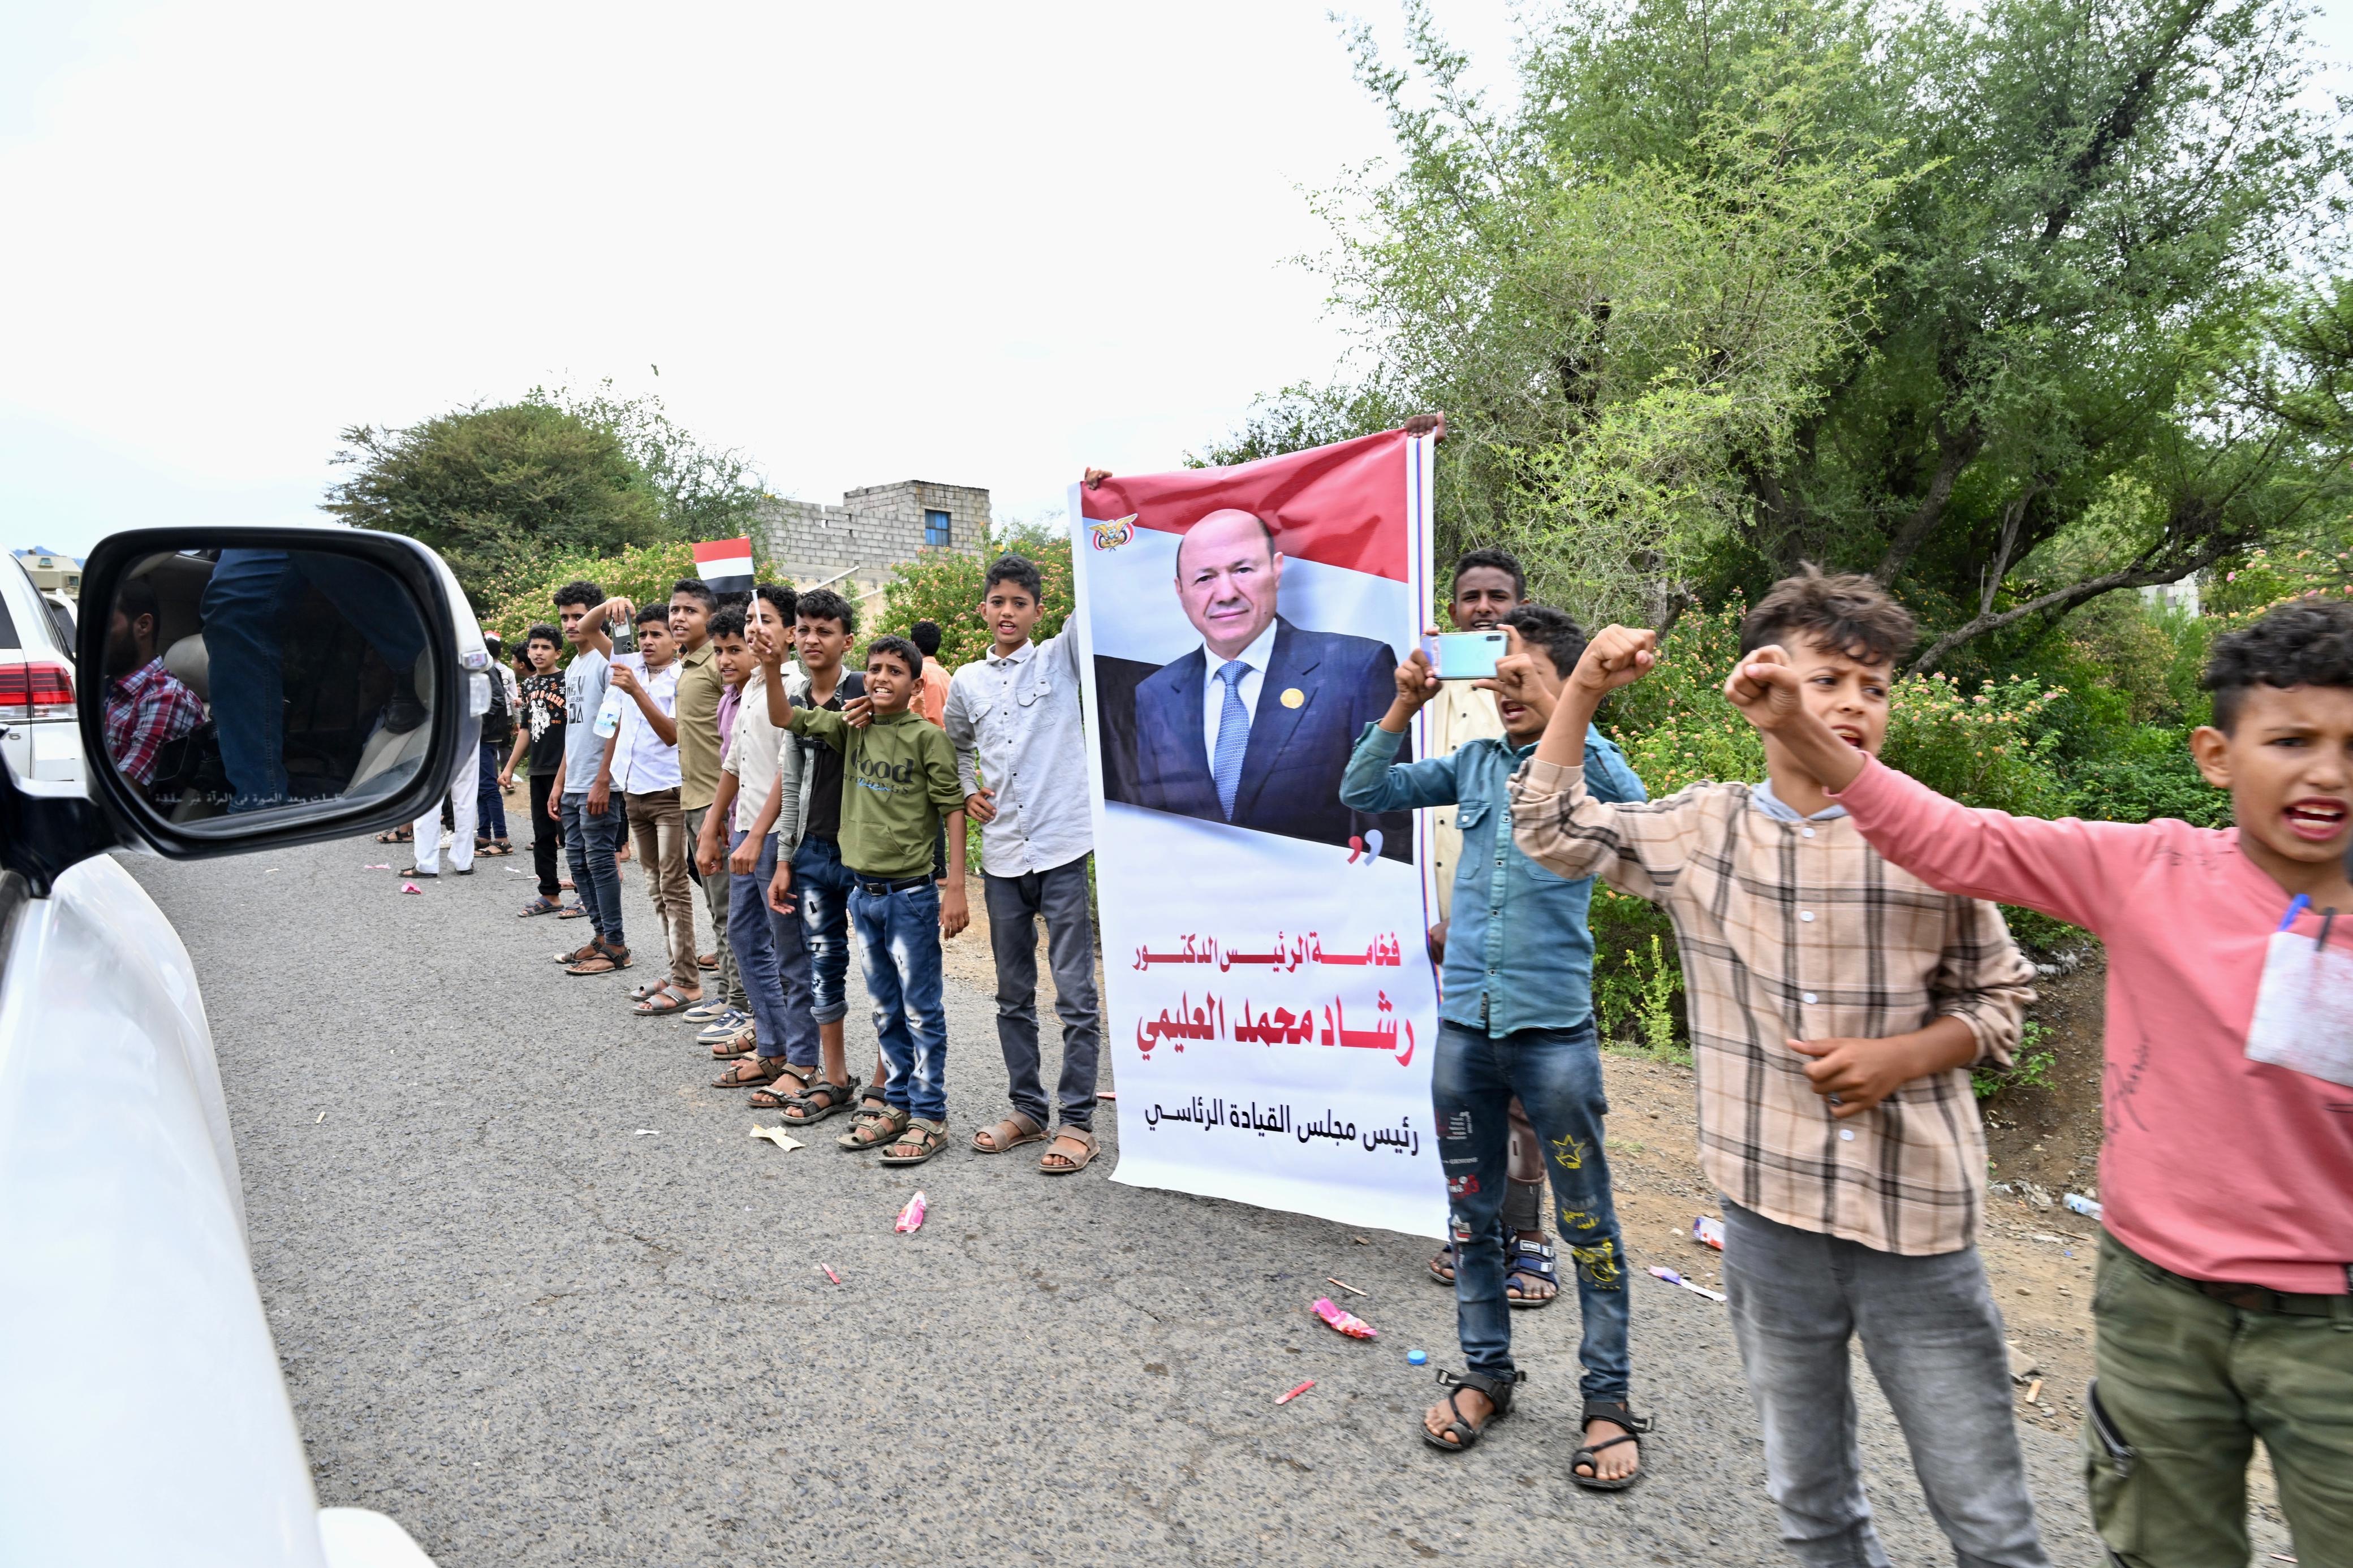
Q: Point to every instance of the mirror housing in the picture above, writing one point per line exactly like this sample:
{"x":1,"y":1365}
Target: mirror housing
{"x":448,"y":682}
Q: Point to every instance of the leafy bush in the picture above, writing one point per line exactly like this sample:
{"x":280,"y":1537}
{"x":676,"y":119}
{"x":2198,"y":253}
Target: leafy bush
{"x":1992,"y":748}
{"x":520,"y":595}
{"x":2030,"y":1064}
{"x":945,"y":587}
{"x":2154,"y":777}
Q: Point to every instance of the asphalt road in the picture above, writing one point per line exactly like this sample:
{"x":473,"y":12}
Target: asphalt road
{"x":536,"y":1335}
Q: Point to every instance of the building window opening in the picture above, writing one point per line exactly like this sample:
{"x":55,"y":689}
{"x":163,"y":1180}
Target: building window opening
{"x":935,"y":528}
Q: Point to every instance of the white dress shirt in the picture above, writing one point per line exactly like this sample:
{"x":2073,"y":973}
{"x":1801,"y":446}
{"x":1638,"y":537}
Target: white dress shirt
{"x":1016,"y":726}
{"x":1257,"y":655}
{"x":642,"y":763}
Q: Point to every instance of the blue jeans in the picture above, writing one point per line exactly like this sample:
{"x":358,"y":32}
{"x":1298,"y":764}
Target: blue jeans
{"x":1556,"y":1073}
{"x":247,"y":603}
{"x":771,"y":957}
{"x":898,"y":941}
{"x":823,"y":884}
{"x":592,"y":842}
{"x":491,"y":806}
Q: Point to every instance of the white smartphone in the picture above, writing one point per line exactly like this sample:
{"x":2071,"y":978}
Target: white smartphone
{"x":1465,"y":656}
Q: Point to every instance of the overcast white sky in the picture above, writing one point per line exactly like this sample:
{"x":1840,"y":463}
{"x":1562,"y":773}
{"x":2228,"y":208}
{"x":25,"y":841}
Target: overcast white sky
{"x":978,"y":245}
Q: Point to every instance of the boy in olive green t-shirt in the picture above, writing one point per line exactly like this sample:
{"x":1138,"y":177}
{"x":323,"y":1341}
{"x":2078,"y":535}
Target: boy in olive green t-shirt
{"x":898,"y":787}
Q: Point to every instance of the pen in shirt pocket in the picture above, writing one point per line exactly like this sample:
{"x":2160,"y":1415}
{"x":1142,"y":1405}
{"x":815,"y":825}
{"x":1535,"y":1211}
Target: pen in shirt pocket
{"x":2296,"y":906}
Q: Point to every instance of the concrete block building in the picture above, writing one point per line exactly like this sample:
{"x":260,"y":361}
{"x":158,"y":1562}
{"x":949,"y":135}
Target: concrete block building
{"x":853,"y":546}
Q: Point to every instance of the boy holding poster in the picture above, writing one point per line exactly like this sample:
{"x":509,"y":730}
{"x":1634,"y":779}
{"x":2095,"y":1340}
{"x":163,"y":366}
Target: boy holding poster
{"x":1517,"y":1020}
{"x":899,"y":782}
{"x":1837,"y":1004}
{"x":1021,"y":744}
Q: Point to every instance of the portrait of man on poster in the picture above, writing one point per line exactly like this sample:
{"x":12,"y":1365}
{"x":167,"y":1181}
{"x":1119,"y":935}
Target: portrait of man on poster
{"x":1254,"y":727}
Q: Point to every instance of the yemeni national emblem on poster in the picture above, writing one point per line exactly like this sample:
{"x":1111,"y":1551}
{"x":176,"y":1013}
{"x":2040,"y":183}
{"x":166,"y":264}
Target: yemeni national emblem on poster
{"x":1267,"y":994}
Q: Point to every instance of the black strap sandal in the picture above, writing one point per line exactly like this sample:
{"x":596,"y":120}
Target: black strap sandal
{"x":1497,"y":1389}
{"x":1621,"y":1413}
{"x":814,"y":1103}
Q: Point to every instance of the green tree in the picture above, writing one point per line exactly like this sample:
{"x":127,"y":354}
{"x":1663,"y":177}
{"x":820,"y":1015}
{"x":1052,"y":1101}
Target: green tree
{"x":2015,"y":307}
{"x":707,"y":492}
{"x":499,"y":490}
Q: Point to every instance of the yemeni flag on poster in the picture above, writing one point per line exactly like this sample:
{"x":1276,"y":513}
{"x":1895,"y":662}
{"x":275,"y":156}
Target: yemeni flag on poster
{"x":1270,"y":1008}
{"x":725,"y":565}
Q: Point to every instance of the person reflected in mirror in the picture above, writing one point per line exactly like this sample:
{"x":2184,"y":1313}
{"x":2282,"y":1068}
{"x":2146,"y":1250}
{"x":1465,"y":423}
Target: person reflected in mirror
{"x":147,"y":708}
{"x":539,"y":743}
{"x":646,"y":772}
{"x":591,"y":824}
{"x":247,"y":602}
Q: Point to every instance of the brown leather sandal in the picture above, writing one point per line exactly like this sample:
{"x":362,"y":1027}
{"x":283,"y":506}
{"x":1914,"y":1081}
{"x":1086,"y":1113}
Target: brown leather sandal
{"x":1011,"y":1133}
{"x":872,"y":1131}
{"x":1072,"y":1164}
{"x":759,"y":1071}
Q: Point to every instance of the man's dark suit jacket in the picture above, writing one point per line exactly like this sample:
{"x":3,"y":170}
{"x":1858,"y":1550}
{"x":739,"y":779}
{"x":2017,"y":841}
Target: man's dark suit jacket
{"x":1291,"y":772}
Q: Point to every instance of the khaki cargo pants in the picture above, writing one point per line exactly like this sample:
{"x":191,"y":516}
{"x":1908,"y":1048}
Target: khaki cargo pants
{"x":2186,"y":1385}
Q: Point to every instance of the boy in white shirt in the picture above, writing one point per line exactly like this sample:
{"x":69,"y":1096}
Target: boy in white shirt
{"x":642,"y":759}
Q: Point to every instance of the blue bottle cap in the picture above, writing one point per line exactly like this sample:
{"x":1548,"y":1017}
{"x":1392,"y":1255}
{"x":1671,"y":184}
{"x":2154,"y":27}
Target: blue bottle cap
{"x":1416,"y":1358}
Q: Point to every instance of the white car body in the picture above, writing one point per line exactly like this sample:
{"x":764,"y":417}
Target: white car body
{"x":144,"y":1416}
{"x":47,"y":748}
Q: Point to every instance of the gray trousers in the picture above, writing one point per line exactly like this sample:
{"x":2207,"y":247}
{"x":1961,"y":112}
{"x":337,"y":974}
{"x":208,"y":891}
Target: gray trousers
{"x":730,"y":988}
{"x":1933,"y":1337}
{"x":1014,"y":905}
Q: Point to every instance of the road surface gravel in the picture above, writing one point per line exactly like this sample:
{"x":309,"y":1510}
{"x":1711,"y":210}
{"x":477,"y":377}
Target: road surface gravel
{"x":542,"y":1298}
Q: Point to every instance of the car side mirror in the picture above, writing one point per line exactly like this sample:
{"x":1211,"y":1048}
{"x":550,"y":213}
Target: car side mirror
{"x":243,"y":688}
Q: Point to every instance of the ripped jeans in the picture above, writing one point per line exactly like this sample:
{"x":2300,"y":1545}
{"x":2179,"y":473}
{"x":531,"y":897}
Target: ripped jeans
{"x":1556,"y":1073}
{"x":898,"y":928}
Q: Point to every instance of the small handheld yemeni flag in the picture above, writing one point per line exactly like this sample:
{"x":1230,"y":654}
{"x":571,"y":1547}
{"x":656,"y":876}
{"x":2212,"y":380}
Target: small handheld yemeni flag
{"x":725,"y":564}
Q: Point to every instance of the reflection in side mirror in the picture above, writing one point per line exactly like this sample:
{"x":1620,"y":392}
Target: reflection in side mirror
{"x":246,"y":687}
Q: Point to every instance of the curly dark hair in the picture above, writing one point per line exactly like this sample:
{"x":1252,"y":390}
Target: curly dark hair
{"x":1554,"y":631}
{"x":1850,"y":611}
{"x":1017,"y":570}
{"x":825,"y":604}
{"x":925,"y":635}
{"x":585,"y":594}
{"x":780,"y":597}
{"x":695,"y":588}
{"x":542,"y":632}
{"x":1502,"y":561}
{"x":899,"y":649}
{"x":2308,"y":642}
{"x":728,"y":623}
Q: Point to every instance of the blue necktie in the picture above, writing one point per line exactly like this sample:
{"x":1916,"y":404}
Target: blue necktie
{"x":1233,"y":737}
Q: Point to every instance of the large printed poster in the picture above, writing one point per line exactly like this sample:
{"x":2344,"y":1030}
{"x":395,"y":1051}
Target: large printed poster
{"x":1267,"y":994}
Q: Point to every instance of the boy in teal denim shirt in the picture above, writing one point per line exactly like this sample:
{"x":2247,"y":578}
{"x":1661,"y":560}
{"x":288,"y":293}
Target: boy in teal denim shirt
{"x":1517,"y":1018}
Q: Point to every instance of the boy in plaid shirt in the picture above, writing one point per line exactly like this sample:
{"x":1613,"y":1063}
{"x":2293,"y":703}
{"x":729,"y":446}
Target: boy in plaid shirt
{"x":1836,"y":1005}
{"x":146,"y":708}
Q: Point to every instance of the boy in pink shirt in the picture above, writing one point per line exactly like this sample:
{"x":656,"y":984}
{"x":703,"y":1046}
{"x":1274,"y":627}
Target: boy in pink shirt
{"x":2227,"y":1169}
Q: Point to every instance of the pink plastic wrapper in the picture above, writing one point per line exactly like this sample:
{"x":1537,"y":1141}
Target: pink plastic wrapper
{"x":912,"y":1215}
{"x":1347,"y":1322}
{"x":410,"y":888}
